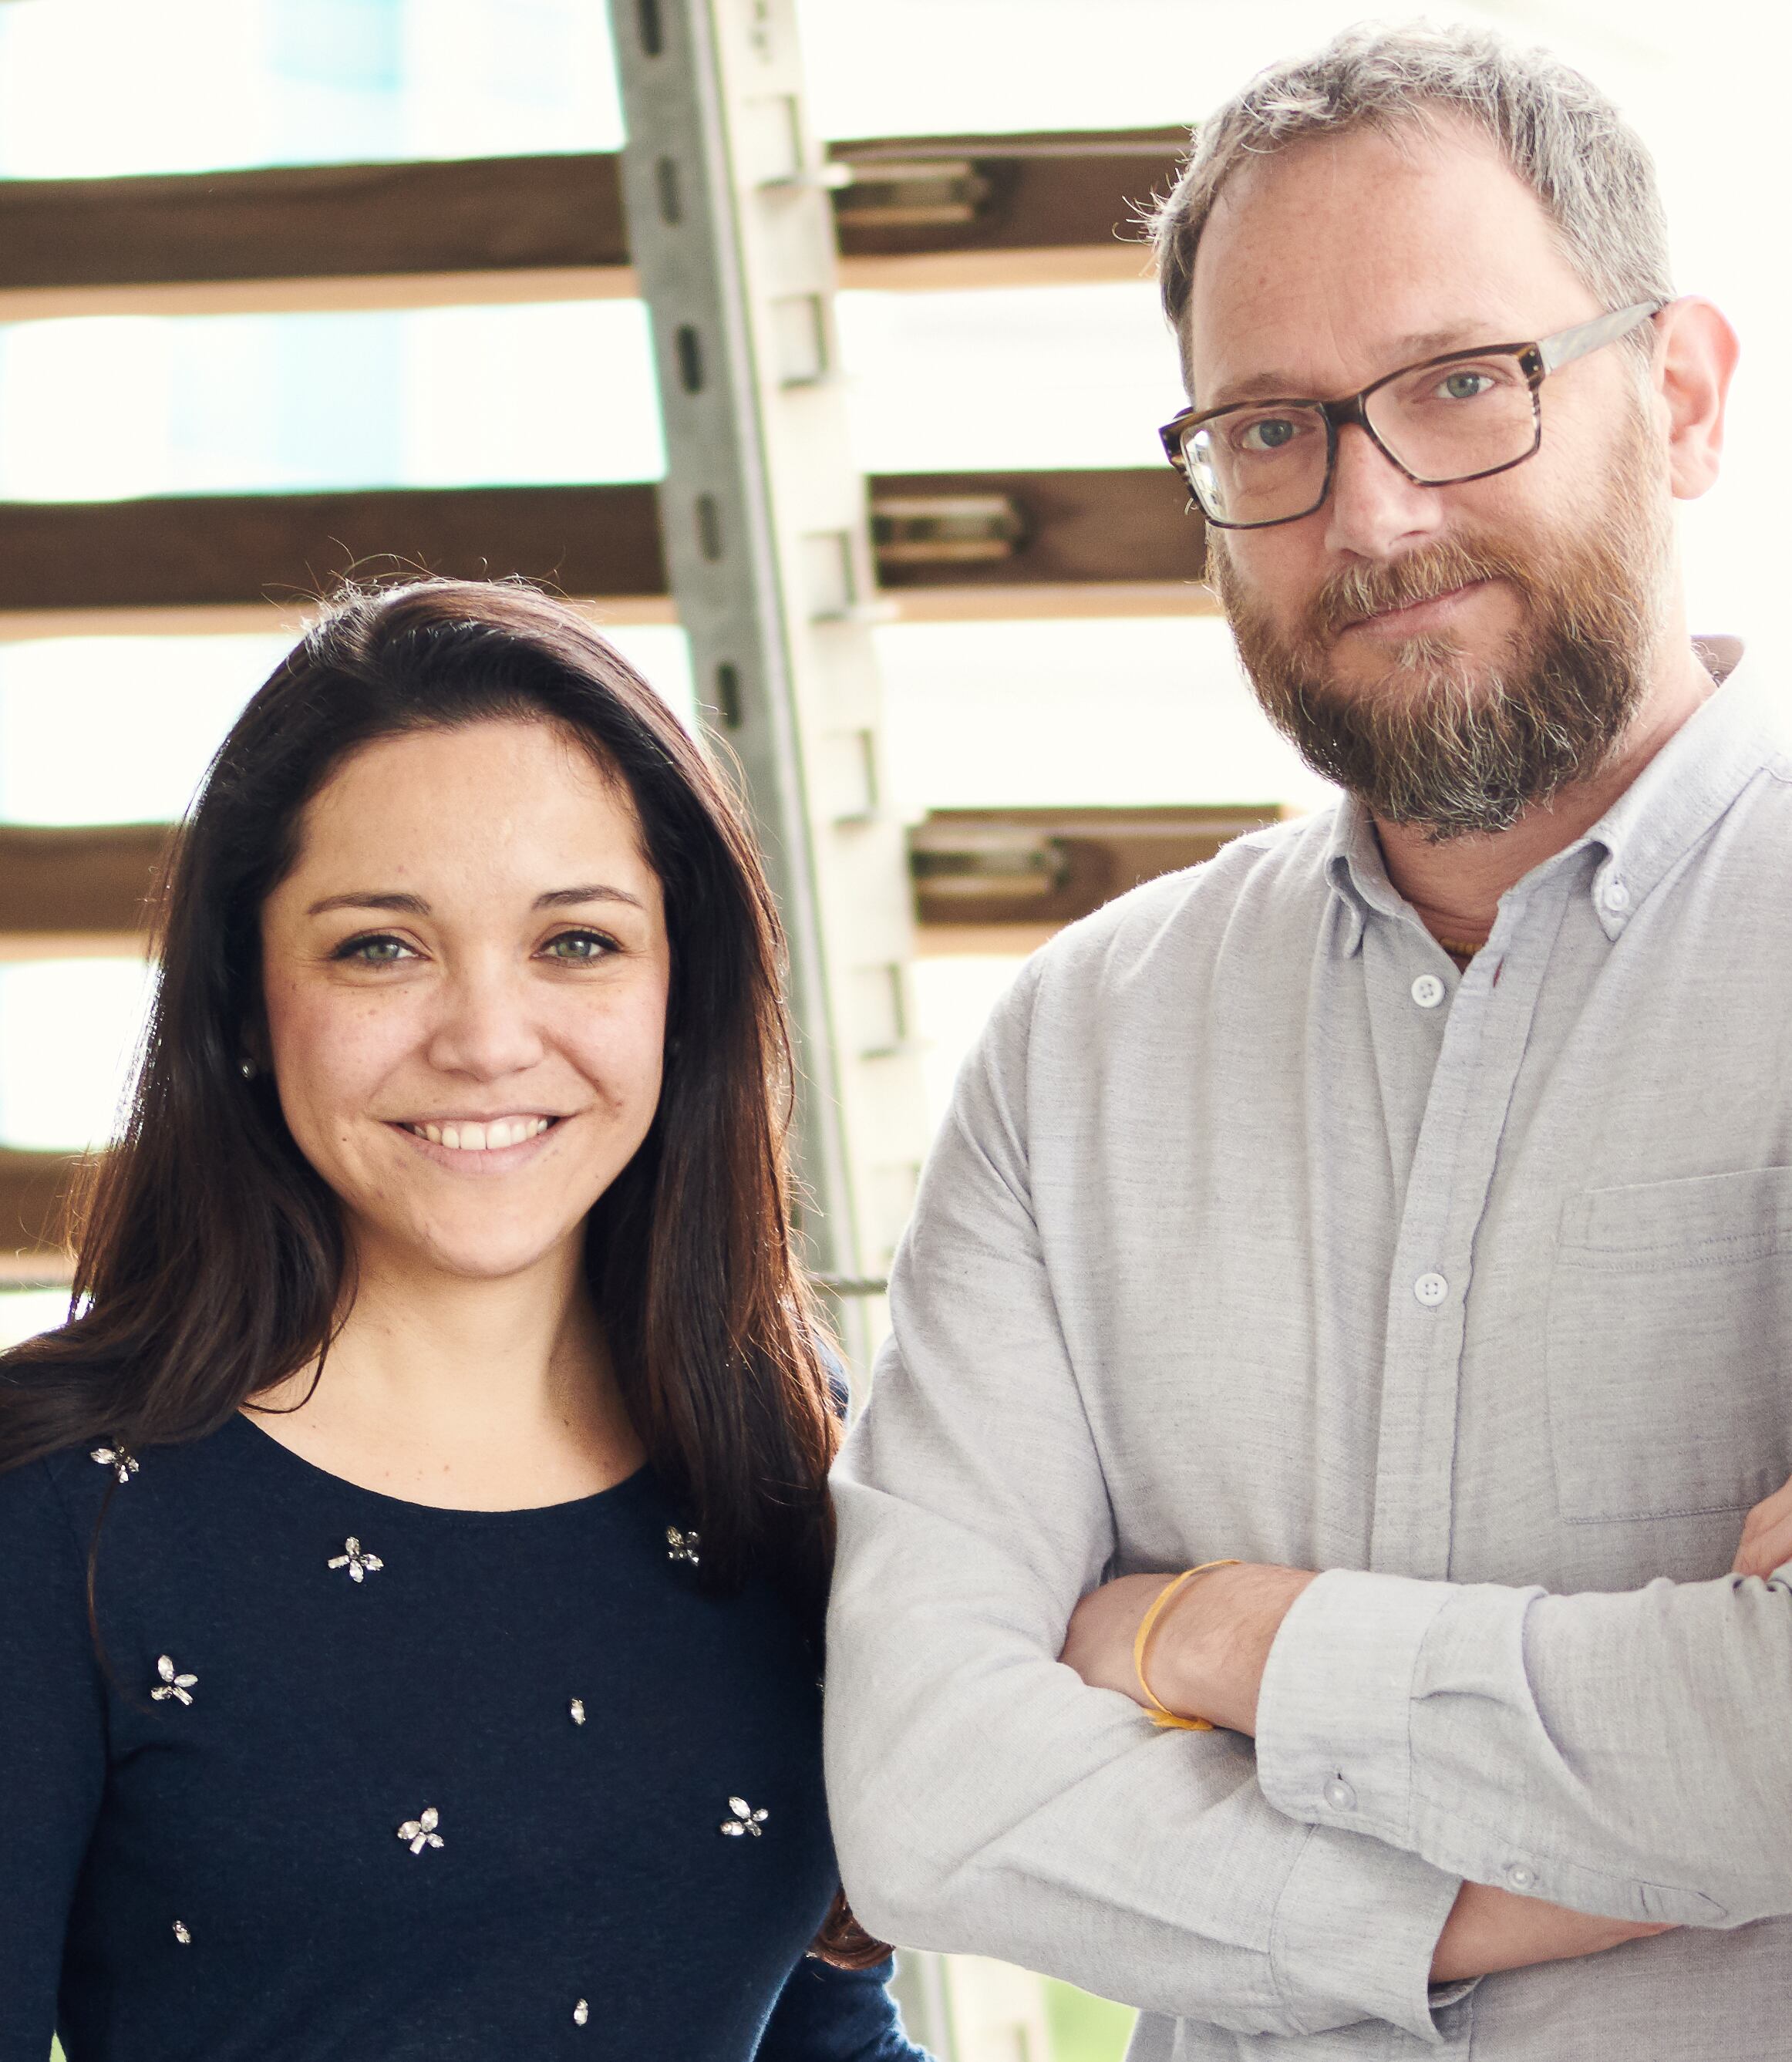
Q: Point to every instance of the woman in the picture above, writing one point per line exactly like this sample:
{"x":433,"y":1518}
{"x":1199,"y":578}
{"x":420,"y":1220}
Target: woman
{"x":417,"y":1545}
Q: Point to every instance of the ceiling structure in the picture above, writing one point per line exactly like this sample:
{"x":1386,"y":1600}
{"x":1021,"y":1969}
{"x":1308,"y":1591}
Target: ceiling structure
{"x":911,"y":214}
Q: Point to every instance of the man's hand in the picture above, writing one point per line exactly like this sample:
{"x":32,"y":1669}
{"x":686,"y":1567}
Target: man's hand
{"x":1766,"y":1535}
{"x":1206,"y":1660}
{"x":1489,"y":1929}
{"x":1208,"y":1649}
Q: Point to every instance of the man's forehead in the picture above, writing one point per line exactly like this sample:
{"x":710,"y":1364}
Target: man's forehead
{"x":1326,"y":263}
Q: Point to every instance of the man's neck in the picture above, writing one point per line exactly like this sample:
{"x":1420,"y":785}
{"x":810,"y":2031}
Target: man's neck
{"x":1455,"y":885}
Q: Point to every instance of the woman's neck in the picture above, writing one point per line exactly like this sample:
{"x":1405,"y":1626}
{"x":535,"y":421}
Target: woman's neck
{"x":467,"y":1394}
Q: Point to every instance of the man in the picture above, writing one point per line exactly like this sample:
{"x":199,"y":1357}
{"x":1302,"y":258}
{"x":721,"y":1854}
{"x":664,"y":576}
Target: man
{"x":1399,"y":1206}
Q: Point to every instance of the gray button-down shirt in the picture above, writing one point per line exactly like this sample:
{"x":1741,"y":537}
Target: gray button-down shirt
{"x":1256,"y":1229}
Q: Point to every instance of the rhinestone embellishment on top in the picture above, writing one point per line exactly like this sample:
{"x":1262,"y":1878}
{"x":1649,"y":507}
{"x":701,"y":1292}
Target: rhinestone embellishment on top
{"x":421,"y":1833}
{"x":123,"y":1462}
{"x":181,"y":1935}
{"x":577,"y":1707}
{"x":745,"y":1820}
{"x":581,"y":2012}
{"x":172,"y":1685}
{"x":682,"y":1546}
{"x":358,"y":1562}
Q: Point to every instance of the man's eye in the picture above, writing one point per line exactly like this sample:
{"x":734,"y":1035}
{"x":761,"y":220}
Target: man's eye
{"x":580,"y":947}
{"x":1269,"y":433}
{"x":1465,"y":386}
{"x":380,"y":950}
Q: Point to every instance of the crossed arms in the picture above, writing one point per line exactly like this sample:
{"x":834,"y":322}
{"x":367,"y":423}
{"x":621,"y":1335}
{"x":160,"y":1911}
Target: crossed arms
{"x":1208,"y":1655}
{"x":1629,"y":1751}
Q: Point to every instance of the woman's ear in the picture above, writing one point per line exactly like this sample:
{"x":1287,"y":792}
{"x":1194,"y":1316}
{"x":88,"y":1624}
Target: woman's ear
{"x":1694,"y":360}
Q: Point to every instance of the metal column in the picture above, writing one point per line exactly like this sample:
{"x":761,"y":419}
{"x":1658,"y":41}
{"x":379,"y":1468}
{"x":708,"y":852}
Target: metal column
{"x":762,"y":513}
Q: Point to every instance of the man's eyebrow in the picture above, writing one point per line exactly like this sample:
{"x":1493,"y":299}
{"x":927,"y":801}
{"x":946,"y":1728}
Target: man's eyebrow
{"x":414,"y":905}
{"x":1404,"y":350}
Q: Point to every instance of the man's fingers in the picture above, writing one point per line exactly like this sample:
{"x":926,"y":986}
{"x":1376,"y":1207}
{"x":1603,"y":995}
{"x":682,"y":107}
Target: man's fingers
{"x":1766,"y":1541}
{"x":1764,"y":1548}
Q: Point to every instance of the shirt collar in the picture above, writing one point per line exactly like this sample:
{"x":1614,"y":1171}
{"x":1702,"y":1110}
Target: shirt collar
{"x":1676,"y":799}
{"x":1686,"y":787}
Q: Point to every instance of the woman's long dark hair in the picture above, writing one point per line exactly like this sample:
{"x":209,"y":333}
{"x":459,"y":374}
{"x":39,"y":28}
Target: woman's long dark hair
{"x":211,"y":1259}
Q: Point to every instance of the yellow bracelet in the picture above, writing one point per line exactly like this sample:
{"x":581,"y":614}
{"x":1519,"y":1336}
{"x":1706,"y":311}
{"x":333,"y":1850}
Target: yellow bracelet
{"x":1160,"y":1714}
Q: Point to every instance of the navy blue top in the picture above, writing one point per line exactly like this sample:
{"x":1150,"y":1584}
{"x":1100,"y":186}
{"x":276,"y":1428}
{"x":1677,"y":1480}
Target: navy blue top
{"x":359,"y":1778}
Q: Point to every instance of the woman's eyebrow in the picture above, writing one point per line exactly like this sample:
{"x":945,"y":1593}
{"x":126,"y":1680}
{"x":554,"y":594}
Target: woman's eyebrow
{"x":563,"y":898}
{"x":414,"y":905}
{"x":368,"y":898}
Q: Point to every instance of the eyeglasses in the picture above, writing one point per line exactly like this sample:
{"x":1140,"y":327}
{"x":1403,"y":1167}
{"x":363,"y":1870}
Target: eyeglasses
{"x":1465,"y":415}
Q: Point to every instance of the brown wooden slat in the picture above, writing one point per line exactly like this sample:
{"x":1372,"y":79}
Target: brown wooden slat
{"x":220,"y":550}
{"x":313,"y":220}
{"x":213,"y":549}
{"x":1099,"y":854}
{"x":1125,"y":524}
{"x":94,"y":879}
{"x":1041,"y":192}
{"x":32,"y":1185}
{"x":1044,"y":191}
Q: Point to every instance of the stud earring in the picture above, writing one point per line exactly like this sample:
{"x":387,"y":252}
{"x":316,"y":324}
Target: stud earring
{"x":247,"y":1068}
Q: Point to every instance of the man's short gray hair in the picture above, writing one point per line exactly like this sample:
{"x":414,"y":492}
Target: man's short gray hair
{"x":1559,"y":134}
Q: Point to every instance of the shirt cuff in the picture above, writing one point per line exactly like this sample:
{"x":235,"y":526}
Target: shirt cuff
{"x":1361,"y":1920}
{"x":1334,"y":1714}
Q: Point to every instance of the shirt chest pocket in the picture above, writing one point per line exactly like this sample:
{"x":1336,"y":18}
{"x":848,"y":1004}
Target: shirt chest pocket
{"x":1670,"y":1347}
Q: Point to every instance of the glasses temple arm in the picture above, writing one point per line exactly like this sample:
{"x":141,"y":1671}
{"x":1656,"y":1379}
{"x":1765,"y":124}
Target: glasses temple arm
{"x":1568,"y":344}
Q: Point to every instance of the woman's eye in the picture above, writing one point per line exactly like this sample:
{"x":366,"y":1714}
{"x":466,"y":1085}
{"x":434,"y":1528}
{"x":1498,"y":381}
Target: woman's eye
{"x":380,"y":950}
{"x":579,"y":948}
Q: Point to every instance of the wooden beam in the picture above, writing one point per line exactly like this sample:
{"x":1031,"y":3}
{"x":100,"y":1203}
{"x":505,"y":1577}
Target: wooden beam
{"x":1067,"y":529}
{"x":1124,"y":523}
{"x":205,"y":550}
{"x":1023,"y":872}
{"x":548,"y":227}
{"x":32,"y":1188}
{"x":57,"y":884}
{"x":314,"y":221}
{"x":1044,"y":191}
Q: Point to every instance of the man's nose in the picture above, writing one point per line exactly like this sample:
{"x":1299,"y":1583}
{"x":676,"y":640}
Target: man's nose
{"x":1374,"y":509}
{"x":486,"y":1028}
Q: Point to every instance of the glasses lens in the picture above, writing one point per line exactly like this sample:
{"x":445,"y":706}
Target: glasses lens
{"x":1466,"y":416}
{"x":1258,"y":465}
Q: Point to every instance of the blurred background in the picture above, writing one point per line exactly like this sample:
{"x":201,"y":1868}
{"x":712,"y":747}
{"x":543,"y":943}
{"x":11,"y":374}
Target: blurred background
{"x":291,"y":286}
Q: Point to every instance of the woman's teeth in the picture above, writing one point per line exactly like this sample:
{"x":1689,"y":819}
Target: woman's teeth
{"x":483,"y":1138}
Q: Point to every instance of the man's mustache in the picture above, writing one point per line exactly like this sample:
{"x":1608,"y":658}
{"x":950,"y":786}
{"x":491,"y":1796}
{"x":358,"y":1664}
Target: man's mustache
{"x":1417,"y":576}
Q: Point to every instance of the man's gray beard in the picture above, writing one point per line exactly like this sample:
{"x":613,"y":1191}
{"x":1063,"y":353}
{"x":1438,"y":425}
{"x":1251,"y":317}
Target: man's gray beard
{"x":1440,"y":743}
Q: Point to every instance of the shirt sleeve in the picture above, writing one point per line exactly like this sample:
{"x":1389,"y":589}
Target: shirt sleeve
{"x":984,"y":1798}
{"x":52,"y":1750}
{"x":1629,"y":1753}
{"x":828,"y":2015}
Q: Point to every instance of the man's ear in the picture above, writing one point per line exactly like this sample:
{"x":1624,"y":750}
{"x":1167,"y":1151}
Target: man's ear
{"x":1694,"y":357}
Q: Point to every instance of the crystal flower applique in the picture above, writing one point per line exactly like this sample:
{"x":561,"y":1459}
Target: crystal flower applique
{"x":745,"y":1820}
{"x":577,"y":1708}
{"x":682,"y":1546}
{"x":172,"y":1685}
{"x":421,"y":1833}
{"x":358,"y":1562}
{"x":123,"y":1462}
{"x":581,"y":2013}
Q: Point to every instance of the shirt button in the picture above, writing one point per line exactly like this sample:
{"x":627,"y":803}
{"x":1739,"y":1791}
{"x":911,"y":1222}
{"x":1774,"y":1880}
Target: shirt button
{"x":1618,"y":895}
{"x":1431,"y":1289}
{"x":1521,"y":1878}
{"x":1428,"y":991}
{"x":1339,"y":1795}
